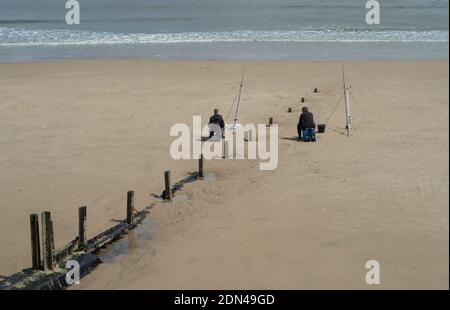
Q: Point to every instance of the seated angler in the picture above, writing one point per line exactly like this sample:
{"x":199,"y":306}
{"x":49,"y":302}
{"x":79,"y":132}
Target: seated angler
{"x":215,"y":122}
{"x":306,"y":126}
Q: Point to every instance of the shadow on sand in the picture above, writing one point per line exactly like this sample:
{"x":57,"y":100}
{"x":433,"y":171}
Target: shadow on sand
{"x":337,"y":129}
{"x":296,"y":139}
{"x":192,"y":177}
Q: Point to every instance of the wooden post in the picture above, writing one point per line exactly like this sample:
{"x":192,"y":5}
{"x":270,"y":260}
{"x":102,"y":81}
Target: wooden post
{"x":82,"y":215}
{"x":167,"y":184}
{"x":130,"y":206}
{"x":250,"y":135}
{"x":48,"y":242}
{"x":225,"y":149}
{"x":35,"y":242}
{"x":200,"y":167}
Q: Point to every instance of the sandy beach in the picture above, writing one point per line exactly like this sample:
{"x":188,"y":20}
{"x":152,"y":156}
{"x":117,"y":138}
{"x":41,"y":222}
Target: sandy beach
{"x":84,"y":132}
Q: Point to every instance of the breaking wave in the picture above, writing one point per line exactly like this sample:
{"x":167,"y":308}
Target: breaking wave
{"x":13,"y":36}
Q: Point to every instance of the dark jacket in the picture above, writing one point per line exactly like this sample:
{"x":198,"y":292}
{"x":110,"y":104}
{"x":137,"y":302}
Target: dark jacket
{"x":218,"y":120}
{"x":306,"y":120}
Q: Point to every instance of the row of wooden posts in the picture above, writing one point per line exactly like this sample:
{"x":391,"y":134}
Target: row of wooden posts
{"x":47,"y":260}
{"x":302,"y":100}
{"x":43,"y":254}
{"x":48,"y":244}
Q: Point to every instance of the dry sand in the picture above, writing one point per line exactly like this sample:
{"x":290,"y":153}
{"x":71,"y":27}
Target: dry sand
{"x":84,"y":132}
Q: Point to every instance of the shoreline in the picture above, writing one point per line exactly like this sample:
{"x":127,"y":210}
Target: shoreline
{"x":232,"y":51}
{"x":85,"y":131}
{"x":49,"y":61}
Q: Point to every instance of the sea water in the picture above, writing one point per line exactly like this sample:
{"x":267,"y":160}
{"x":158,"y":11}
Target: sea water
{"x":224,"y":29}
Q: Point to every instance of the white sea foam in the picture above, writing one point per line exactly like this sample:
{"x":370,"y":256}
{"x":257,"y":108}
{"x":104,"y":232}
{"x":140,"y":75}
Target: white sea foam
{"x":25,"y":37}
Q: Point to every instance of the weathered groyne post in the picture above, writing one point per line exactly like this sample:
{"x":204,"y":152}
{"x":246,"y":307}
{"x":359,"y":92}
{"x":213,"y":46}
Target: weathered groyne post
{"x":130,"y":206}
{"x":225,"y":149}
{"x":200,"y":167}
{"x":35,"y":242}
{"x":48,"y":241}
{"x":167,"y":185}
{"x":82,"y":217}
{"x":250,"y":135}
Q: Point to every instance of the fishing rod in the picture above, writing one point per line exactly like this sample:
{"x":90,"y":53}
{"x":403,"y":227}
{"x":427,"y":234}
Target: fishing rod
{"x":239,"y":100}
{"x":348,"y":116}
